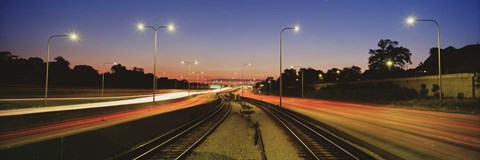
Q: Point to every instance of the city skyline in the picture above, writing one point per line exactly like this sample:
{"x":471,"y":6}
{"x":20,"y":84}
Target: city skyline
{"x":333,"y":33}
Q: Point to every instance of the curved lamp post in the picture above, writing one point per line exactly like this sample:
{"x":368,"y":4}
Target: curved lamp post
{"x":189,"y":63}
{"x":141,"y":27}
{"x":296,"y":28}
{"x":103,"y":74}
{"x":246,"y":64}
{"x":411,"y":21}
{"x":73,"y":37}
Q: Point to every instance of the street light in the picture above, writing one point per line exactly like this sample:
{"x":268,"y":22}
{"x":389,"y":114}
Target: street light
{"x":270,"y":82}
{"x":246,"y":64}
{"x":295,"y":28}
{"x":142,"y":27}
{"x":411,"y":21}
{"x":103,"y":73}
{"x":73,"y":37}
{"x":300,"y":67}
{"x":389,"y":63}
{"x":189,"y":63}
{"x":233,"y":78}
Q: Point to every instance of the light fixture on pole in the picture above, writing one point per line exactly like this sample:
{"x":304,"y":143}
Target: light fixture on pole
{"x":296,"y":28}
{"x":103,"y":73}
{"x":73,"y":37}
{"x":142,"y":27}
{"x":189,"y":63}
{"x":270,"y":82}
{"x":300,"y":68}
{"x":246,"y":64}
{"x":411,"y":21}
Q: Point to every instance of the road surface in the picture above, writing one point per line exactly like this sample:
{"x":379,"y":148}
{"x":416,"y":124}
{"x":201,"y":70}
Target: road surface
{"x":158,"y":97}
{"x":34,"y":134}
{"x":409,"y":134}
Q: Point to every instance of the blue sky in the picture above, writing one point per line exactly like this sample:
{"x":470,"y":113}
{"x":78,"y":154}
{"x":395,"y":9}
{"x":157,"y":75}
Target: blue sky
{"x":222,"y":35}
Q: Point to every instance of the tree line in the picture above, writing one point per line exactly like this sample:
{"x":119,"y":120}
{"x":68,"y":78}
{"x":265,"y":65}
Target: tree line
{"x":31,"y":71}
{"x":388,"y":61}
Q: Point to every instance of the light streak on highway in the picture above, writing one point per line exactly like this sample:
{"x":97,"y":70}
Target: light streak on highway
{"x":63,"y":128}
{"x":158,"y":97}
{"x":409,"y":134}
{"x":75,"y":98}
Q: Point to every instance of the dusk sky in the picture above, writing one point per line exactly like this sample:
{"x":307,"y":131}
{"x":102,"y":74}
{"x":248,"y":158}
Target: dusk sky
{"x":222,"y":35}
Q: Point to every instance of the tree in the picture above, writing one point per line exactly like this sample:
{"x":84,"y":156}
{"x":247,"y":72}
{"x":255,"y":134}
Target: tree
{"x":289,"y":77}
{"x":351,"y":73}
{"x":118,"y":68}
{"x":389,"y":52}
{"x":60,"y":72}
{"x":333,"y":75}
{"x":453,"y":60}
{"x":6,"y":56}
{"x":311,"y":75}
{"x":85,"y":75}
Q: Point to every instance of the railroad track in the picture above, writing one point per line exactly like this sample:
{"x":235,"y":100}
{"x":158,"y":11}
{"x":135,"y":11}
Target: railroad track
{"x":176,"y":143}
{"x":315,"y":143}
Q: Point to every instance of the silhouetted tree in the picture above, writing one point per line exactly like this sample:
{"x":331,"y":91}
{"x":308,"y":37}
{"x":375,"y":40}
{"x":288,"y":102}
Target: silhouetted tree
{"x":7,"y":57}
{"x":453,"y":60}
{"x":389,"y":51}
{"x":84,"y":75}
{"x":289,"y":77}
{"x":333,"y":75}
{"x":32,"y":71}
{"x":60,"y":72}
{"x":118,"y":68}
{"x":311,"y":75}
{"x":351,"y":73}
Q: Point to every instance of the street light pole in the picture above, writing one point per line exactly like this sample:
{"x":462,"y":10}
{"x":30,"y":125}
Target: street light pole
{"x":103,"y":74}
{"x":300,"y":68}
{"x":72,"y":36}
{"x":411,"y":21}
{"x":270,"y":82}
{"x":142,"y":27}
{"x":233,"y":78}
{"x":296,"y":28}
{"x":247,"y":64}
{"x":189,"y":63}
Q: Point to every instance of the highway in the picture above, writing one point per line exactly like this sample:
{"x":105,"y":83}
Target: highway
{"x":34,"y":134}
{"x":409,"y":134}
{"x":143,"y":99}
{"x":72,"y":98}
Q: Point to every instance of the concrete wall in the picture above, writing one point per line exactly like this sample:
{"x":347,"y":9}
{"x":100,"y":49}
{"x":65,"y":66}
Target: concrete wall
{"x":452,"y":84}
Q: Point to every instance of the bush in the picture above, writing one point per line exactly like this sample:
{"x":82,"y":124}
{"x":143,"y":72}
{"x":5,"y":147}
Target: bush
{"x":435,"y":90}
{"x":423,"y":92}
{"x":460,"y":95}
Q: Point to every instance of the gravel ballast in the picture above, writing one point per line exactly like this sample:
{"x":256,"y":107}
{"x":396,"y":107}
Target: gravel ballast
{"x":233,"y":139}
{"x":277,"y":143}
